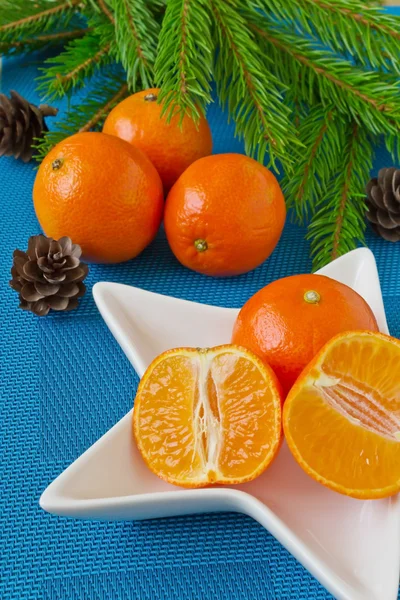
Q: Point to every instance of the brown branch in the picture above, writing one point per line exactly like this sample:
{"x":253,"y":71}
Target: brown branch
{"x":320,"y":71}
{"x":75,"y":33}
{"x":104,"y":109}
{"x":356,"y":16}
{"x":247,"y":77}
{"x":342,"y":207}
{"x":36,"y":17}
{"x":104,"y":9}
{"x":313,"y":153}
{"x":135,"y":34}
{"x":93,"y":59}
{"x":185,"y":11}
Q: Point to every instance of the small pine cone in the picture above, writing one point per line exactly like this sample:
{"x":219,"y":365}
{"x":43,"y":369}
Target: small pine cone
{"x":49,"y":275}
{"x":20,"y":123}
{"x":383,"y":201}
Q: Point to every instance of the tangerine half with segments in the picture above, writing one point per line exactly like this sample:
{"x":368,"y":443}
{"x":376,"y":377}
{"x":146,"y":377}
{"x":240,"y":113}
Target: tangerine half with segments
{"x":205,"y":416}
{"x":342,"y":417}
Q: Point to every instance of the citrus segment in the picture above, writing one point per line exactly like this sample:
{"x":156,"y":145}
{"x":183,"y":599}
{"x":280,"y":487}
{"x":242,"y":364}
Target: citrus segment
{"x":342,"y":417}
{"x":208,"y":416}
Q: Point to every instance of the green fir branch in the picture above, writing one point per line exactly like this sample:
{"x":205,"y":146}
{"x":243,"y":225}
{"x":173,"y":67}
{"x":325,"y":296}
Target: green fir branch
{"x":88,"y":115}
{"x":318,"y":74}
{"x":363,"y":31}
{"x":321,"y":133}
{"x":252,"y":94}
{"x":136,"y":33}
{"x":80,"y":60}
{"x":339,"y":222}
{"x":21,"y":18}
{"x":350,"y":27}
{"x":39,"y":42}
{"x":184,"y":61}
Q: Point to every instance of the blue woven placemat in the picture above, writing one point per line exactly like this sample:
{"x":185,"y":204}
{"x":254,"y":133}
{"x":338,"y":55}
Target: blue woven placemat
{"x":65,"y":382}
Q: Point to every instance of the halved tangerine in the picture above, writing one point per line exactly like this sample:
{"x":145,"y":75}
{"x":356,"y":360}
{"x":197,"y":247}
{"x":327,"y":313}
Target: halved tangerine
{"x":342,"y":417}
{"x":204,"y":416}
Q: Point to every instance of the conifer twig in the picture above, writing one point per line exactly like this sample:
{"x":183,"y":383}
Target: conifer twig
{"x":103,"y":111}
{"x":104,"y":9}
{"x":89,"y":114}
{"x":332,"y":79}
{"x":255,"y":101}
{"x":183,"y":69}
{"x":50,"y":12}
{"x":136,"y":33}
{"x":81,"y":58}
{"x":339,"y":223}
{"x":89,"y":62}
{"x":40,"y":41}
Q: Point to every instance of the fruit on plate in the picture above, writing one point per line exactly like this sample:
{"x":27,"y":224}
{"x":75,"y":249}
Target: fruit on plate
{"x":342,"y":416}
{"x":101,"y":192}
{"x":225,"y":215}
{"x":287,"y":322}
{"x":204,"y":416}
{"x":172,"y":146}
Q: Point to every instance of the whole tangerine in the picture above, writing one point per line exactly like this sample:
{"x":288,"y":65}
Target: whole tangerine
{"x":224,"y":215}
{"x":171,"y":146}
{"x":101,"y":192}
{"x":287,"y":322}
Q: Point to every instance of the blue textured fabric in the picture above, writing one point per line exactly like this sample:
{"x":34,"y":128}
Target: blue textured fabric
{"x":65,"y":382}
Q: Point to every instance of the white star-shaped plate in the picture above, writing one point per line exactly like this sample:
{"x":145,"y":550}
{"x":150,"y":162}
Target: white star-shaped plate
{"x":351,"y":546}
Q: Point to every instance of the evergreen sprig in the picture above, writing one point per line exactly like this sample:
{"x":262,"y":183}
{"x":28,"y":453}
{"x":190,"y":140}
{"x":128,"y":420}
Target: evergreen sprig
{"x":88,"y":115}
{"x":183,"y":68}
{"x":252,"y":94}
{"x":310,"y":83}
{"x":318,"y":74}
{"x":349,"y":27}
{"x":20,"y":18}
{"x":339,"y":222}
{"x":136,"y":34}
{"x":80,"y":60}
{"x":321,"y":132}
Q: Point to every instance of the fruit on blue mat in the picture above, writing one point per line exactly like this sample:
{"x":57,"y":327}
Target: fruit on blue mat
{"x":103,"y":193}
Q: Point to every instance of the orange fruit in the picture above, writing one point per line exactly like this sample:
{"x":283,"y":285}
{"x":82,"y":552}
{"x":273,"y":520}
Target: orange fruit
{"x":208,"y":416}
{"x":342,"y":416}
{"x":103,"y":193}
{"x":287,"y":322}
{"x":225,"y":215}
{"x":172,"y":146}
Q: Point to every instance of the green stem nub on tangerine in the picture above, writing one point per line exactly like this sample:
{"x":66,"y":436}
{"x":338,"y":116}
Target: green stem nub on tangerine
{"x":57,"y":164}
{"x":150,"y":97}
{"x":312,"y":297}
{"x":201,"y":245}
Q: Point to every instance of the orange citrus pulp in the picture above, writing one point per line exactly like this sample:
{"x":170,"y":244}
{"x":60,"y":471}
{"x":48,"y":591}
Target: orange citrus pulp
{"x":208,"y":416}
{"x":342,"y":417}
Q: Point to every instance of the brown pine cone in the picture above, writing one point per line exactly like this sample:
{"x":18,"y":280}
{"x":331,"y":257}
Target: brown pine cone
{"x":383,"y":201}
{"x":20,"y":123}
{"x":49,"y":275}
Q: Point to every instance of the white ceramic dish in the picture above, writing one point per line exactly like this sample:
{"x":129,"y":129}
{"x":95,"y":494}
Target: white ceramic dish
{"x":352,"y":547}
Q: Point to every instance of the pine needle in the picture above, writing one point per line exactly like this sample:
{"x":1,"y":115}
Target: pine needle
{"x":339,"y":222}
{"x":136,"y":33}
{"x":80,"y":60}
{"x":184,"y":60}
{"x":321,"y":133}
{"x":317,"y":73}
{"x":19,"y":17}
{"x":89,"y":115}
{"x":252,"y":94}
{"x":350,"y":27}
